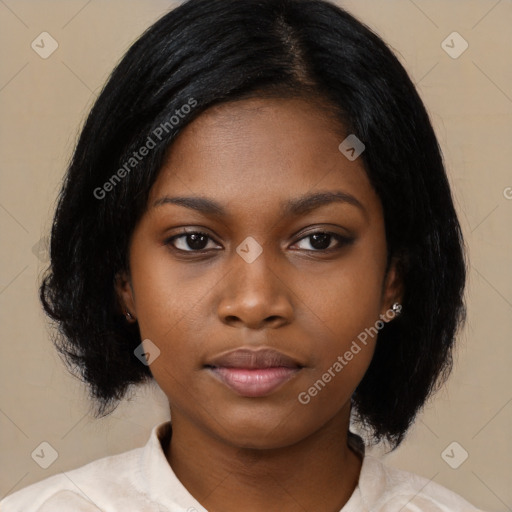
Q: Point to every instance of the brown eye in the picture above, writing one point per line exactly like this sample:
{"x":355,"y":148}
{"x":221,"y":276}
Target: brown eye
{"x":322,"y":241}
{"x":192,"y":241}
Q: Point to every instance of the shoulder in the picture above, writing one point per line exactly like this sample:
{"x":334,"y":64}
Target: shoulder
{"x":389,"y":489}
{"x":85,"y":489}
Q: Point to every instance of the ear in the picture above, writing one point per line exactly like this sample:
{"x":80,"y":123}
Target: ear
{"x":124,"y":292}
{"x":393,"y":287}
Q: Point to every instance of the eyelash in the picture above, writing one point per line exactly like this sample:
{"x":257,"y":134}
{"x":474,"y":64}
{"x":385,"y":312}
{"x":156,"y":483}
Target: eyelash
{"x":342,"y":241}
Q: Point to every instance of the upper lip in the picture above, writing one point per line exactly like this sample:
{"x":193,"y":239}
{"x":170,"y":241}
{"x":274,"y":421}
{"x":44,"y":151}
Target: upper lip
{"x":253,"y":359}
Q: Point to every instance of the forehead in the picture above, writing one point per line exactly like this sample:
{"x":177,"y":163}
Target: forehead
{"x":258,"y":152}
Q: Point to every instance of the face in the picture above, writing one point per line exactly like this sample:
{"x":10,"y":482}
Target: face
{"x":259,"y":266}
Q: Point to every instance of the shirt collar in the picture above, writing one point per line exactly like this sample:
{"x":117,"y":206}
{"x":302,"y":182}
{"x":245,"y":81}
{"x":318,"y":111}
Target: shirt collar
{"x":161,"y":486}
{"x":158,"y":481}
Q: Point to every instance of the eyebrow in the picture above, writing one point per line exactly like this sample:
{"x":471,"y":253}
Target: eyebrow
{"x":293,"y":207}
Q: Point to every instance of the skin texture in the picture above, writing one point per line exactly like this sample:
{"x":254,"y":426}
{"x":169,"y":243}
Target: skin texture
{"x":272,"y":452}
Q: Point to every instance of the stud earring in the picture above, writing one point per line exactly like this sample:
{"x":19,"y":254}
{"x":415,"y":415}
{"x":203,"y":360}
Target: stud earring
{"x":397,"y":308}
{"x":128,"y":315}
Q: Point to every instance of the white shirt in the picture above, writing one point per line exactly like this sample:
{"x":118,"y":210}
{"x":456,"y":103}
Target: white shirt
{"x":142,"y":480}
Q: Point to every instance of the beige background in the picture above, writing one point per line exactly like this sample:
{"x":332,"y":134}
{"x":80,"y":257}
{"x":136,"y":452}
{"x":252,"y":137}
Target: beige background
{"x":42,"y":105}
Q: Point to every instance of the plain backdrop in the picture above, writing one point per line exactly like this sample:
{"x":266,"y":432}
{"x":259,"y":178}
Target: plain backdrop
{"x":42,"y":106}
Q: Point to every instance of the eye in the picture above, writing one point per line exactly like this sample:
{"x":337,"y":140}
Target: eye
{"x":195,"y":240}
{"x":320,"y":241}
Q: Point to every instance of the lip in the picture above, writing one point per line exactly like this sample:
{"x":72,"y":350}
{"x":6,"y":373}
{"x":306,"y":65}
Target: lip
{"x":253,"y":373}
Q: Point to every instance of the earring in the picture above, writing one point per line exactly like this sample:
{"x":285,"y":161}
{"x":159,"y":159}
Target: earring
{"x":128,"y":315}
{"x":397,"y":308}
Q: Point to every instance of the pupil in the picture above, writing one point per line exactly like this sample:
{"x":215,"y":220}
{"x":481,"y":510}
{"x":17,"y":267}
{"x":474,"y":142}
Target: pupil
{"x":319,"y":241}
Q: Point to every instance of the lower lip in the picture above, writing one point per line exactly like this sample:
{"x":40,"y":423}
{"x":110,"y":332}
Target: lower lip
{"x":254,"y":382}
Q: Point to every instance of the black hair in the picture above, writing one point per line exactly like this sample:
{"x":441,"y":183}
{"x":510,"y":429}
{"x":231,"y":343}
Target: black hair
{"x":208,"y":52}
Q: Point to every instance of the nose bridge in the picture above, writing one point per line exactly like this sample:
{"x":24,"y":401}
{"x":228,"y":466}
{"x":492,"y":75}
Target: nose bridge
{"x":254,"y":294}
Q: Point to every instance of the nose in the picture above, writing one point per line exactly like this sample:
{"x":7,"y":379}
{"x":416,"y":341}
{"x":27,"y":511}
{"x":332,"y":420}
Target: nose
{"x":255,"y":296}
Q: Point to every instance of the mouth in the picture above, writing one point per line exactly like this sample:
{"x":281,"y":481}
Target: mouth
{"x":253,"y":373}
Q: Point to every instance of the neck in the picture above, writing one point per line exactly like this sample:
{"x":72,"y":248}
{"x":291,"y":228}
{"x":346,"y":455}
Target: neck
{"x":318,"y":473}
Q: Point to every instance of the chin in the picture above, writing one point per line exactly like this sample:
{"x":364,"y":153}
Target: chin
{"x":264,"y":432}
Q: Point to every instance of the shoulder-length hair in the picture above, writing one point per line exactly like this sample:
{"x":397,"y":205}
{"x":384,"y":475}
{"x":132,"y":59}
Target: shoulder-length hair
{"x":206,"y":52}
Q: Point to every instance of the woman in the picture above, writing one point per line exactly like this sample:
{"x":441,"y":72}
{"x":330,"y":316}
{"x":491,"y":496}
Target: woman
{"x":257,"y":217}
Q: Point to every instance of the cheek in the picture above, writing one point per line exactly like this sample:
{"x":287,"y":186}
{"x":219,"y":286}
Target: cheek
{"x":164,"y":296}
{"x":347,"y":317}
{"x":349,"y":297}
{"x":170,"y":304}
